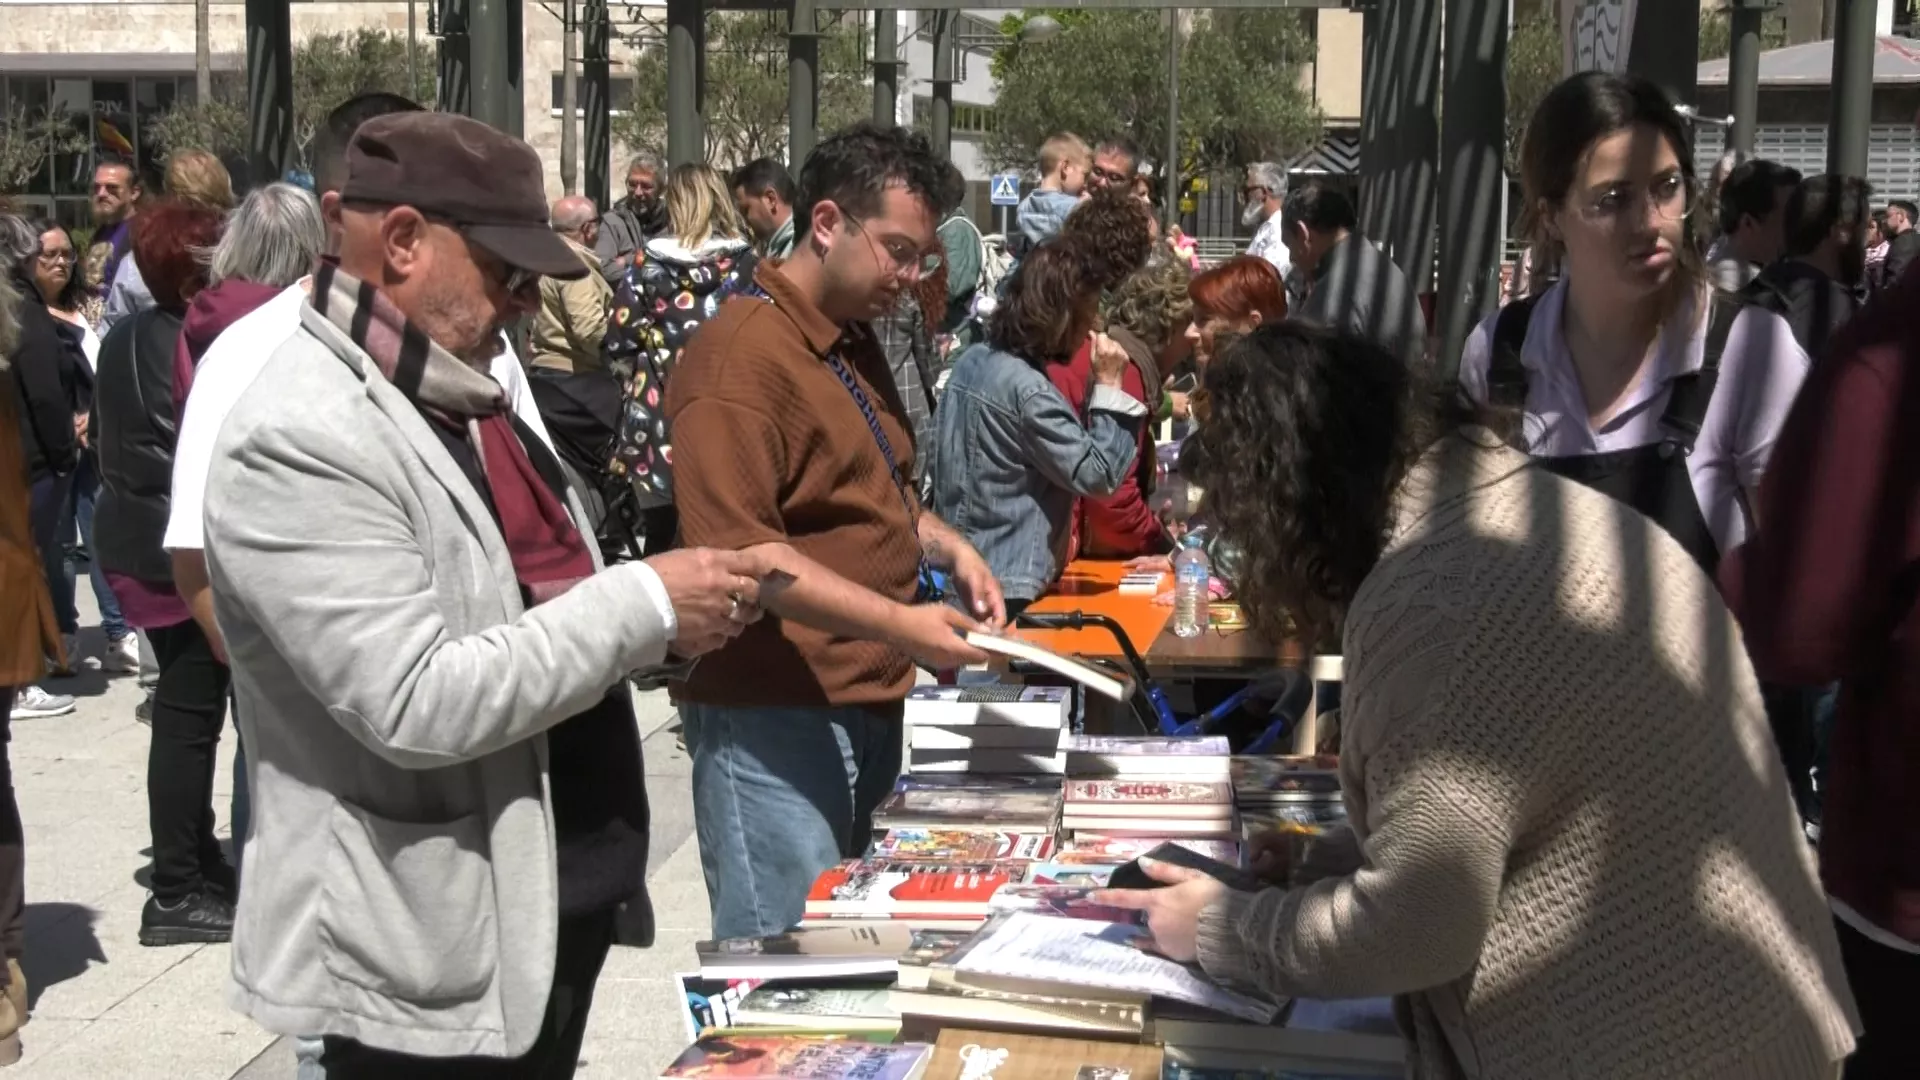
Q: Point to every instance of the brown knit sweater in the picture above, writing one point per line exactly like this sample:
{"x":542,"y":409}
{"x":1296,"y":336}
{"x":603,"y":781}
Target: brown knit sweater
{"x":1572,"y":849}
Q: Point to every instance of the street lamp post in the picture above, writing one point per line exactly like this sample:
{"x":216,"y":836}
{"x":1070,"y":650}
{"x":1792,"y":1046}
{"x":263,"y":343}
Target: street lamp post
{"x":1171,"y":168}
{"x":945,"y":40}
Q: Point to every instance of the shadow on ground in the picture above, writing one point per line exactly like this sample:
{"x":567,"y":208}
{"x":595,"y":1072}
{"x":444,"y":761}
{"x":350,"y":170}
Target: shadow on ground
{"x":64,"y":948}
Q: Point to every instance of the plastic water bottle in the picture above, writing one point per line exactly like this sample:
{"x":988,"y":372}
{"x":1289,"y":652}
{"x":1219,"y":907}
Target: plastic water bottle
{"x":1191,"y":573}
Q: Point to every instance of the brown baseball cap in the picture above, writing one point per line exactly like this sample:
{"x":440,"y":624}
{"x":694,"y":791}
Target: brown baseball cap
{"x":487,"y":183}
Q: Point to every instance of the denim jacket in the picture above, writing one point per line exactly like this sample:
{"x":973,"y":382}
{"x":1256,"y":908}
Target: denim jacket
{"x":1013,"y":455}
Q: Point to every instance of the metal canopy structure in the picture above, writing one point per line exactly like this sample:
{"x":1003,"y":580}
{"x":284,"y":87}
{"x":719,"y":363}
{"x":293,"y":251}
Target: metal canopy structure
{"x":1416,"y":166}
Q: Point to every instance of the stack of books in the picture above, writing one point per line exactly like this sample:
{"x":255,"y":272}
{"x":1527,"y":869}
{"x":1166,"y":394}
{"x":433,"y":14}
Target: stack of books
{"x":950,"y":803}
{"x":1150,"y":809}
{"x":999,"y":728}
{"x":799,"y":1057}
{"x":1289,"y":794}
{"x":1148,"y":757}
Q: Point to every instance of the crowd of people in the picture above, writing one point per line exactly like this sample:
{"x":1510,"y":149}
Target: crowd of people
{"x":780,"y":438}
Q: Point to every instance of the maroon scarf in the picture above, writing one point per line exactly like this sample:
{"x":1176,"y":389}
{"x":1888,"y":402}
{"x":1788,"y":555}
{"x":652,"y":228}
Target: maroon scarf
{"x":549,"y":555}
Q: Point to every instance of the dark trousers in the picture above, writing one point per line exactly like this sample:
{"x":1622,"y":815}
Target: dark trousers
{"x":1885,"y":983}
{"x":189,"y":708}
{"x":13,"y":848}
{"x":49,"y":502}
{"x":581,"y":949}
{"x":659,"y":528}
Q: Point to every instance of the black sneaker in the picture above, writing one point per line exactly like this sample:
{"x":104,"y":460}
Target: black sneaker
{"x":199,"y":919}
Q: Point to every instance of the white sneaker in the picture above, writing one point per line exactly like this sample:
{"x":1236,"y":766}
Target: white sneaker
{"x":122,"y":655}
{"x":33,"y":703}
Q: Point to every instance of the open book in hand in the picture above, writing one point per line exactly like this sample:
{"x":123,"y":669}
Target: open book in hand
{"x":1117,"y":687}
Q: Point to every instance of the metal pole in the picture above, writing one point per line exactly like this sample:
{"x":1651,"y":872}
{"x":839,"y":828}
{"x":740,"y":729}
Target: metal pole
{"x":886,"y":68}
{"x":683,"y":112}
{"x":269,"y":89}
{"x":487,"y":37}
{"x":569,"y":101}
{"x":413,"y":51}
{"x":593,"y":68}
{"x":1852,"y":106}
{"x":516,"y":69}
{"x":202,"y":52}
{"x":456,"y":57}
{"x":1171,"y":168}
{"x":1472,"y":137}
{"x":1666,"y":48}
{"x":1743,"y":73}
{"x":942,"y":111}
{"x":1400,"y":132}
{"x":803,"y":83}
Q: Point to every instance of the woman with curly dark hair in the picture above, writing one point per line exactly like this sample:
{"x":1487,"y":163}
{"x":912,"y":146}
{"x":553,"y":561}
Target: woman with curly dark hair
{"x":1569,"y":843}
{"x":1113,"y":233}
{"x":1012,"y":452}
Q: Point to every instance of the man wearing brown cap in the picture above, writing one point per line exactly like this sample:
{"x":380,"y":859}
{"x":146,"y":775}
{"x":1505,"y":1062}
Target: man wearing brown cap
{"x":448,"y":796}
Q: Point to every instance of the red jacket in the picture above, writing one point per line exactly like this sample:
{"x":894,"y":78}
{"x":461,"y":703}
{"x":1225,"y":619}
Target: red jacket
{"x":1827,"y":593}
{"x":1119,"y":526}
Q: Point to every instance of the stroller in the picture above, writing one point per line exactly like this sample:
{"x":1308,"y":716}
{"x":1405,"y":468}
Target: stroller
{"x":582,"y":414}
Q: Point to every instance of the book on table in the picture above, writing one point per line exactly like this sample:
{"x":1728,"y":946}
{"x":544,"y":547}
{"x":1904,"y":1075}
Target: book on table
{"x":1114,"y":850}
{"x":1024,"y":952}
{"x":1223,"y":829}
{"x":1200,"y":799}
{"x":1102,"y":682}
{"x":1038,"y":1012}
{"x":961,"y":845}
{"x":1148,"y":757}
{"x":1068,"y":901}
{"x":817,"y":952}
{"x":1049,"y":760}
{"x":894,"y":889}
{"x":843,"y":1009}
{"x":941,"y":737}
{"x":988,"y":705}
{"x":1001,"y":1055}
{"x":933,"y":806}
{"x":796,"y":1057}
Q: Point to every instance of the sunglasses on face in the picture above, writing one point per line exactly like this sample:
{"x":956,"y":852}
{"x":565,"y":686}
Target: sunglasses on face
{"x":1109,"y":176}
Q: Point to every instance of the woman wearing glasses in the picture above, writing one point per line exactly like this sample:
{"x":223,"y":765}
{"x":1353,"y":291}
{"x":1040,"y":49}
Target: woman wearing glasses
{"x":1631,"y":374}
{"x":675,"y":286}
{"x":1012,"y":452}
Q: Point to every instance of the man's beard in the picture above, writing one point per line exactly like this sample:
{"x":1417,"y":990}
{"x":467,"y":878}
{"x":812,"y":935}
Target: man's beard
{"x":1253,"y":213}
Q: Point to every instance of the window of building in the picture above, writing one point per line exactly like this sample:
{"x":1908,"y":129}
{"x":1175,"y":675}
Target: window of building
{"x":966,"y":119}
{"x":619,"y":93}
{"x":109,"y":112}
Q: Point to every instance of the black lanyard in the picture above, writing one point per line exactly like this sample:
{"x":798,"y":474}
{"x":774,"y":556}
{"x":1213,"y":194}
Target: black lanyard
{"x":929,"y":588}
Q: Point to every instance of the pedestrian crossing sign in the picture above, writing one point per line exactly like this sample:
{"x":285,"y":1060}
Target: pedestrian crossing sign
{"x":1006,"y":189}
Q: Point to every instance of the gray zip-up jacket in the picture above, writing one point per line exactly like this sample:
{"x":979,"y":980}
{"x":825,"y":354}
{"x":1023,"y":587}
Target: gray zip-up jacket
{"x":394,"y":696}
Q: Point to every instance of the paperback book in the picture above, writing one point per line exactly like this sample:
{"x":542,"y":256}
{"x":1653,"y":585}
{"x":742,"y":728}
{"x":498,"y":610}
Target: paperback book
{"x":1002,"y":1055}
{"x":793,"y":1057}
{"x":843,"y":1009}
{"x":1011,"y":809}
{"x":961,"y":845}
{"x":1150,"y":757}
{"x":827,"y":952}
{"x":889,"y":889}
{"x":1156,"y":798}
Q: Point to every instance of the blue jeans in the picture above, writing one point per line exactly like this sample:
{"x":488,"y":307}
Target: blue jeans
{"x":780,"y":794}
{"x":49,"y":503}
{"x":86,"y":490}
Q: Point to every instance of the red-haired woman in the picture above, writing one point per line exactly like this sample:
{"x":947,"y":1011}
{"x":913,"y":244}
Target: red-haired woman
{"x":1233,"y":298}
{"x":134,"y":424}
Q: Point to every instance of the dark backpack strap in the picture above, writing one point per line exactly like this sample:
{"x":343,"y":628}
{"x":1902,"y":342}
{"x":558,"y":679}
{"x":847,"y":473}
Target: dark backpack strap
{"x":1692,"y":393}
{"x":1506,"y":376}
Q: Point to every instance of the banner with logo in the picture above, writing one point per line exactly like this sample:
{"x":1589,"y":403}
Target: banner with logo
{"x":1598,"y":34}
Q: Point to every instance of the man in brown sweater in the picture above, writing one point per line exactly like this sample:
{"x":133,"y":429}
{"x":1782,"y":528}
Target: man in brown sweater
{"x":790,"y":437}
{"x":1827,"y":593}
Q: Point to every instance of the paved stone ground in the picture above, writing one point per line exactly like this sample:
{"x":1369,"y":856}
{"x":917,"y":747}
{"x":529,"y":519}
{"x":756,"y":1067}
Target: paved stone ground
{"x":103,"y":1006}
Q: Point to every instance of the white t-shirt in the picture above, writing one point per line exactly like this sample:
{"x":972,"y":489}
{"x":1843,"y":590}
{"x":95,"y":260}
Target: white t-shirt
{"x":229,"y":367}
{"x":1268,"y":244}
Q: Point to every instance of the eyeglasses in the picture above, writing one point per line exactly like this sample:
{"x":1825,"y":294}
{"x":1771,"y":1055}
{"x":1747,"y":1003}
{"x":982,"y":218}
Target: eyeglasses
{"x":514,"y":279}
{"x":906,"y":260}
{"x":1669,"y":196}
{"x":57,"y":258}
{"x":1109,"y":176}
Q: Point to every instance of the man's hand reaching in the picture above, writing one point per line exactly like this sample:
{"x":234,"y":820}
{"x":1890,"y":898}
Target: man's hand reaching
{"x":715,"y":595}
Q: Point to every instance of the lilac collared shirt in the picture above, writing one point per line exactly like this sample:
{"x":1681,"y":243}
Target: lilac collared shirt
{"x":1760,"y":373}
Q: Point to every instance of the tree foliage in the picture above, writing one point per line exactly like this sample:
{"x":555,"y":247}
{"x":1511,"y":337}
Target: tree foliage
{"x":1105,"y":74}
{"x":1535,"y":59}
{"x":746,"y":87}
{"x":1716,"y":34}
{"x":28,"y":140}
{"x":327,"y":69}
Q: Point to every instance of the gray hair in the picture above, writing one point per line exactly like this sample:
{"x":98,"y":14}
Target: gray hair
{"x":648,"y":161}
{"x":272,"y":238}
{"x":19,"y":242}
{"x":1268,"y":175}
{"x":9,"y":321}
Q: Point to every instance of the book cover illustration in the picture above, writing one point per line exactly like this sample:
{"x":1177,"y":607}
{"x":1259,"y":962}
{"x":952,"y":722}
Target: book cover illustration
{"x":961,"y":845}
{"x":1113,"y":850}
{"x":907,"y":887}
{"x":1092,"y":875}
{"x":798,"y":1058}
{"x":853,"y":941}
{"x":1065,"y":901}
{"x":1256,"y":775}
{"x":1138,"y":793}
{"x":788,"y":1004}
{"x":930,"y":946}
{"x":978,"y":782}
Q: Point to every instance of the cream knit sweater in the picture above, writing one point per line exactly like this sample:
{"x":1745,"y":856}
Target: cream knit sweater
{"x":1572,"y":851}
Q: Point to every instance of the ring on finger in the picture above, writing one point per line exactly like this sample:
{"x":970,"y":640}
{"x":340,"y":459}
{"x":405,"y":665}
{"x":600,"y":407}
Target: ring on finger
{"x":737,"y":608}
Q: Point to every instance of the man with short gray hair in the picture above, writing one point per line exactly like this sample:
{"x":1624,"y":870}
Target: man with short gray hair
{"x":573,"y":312}
{"x":1261,"y":198}
{"x":635,"y":219}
